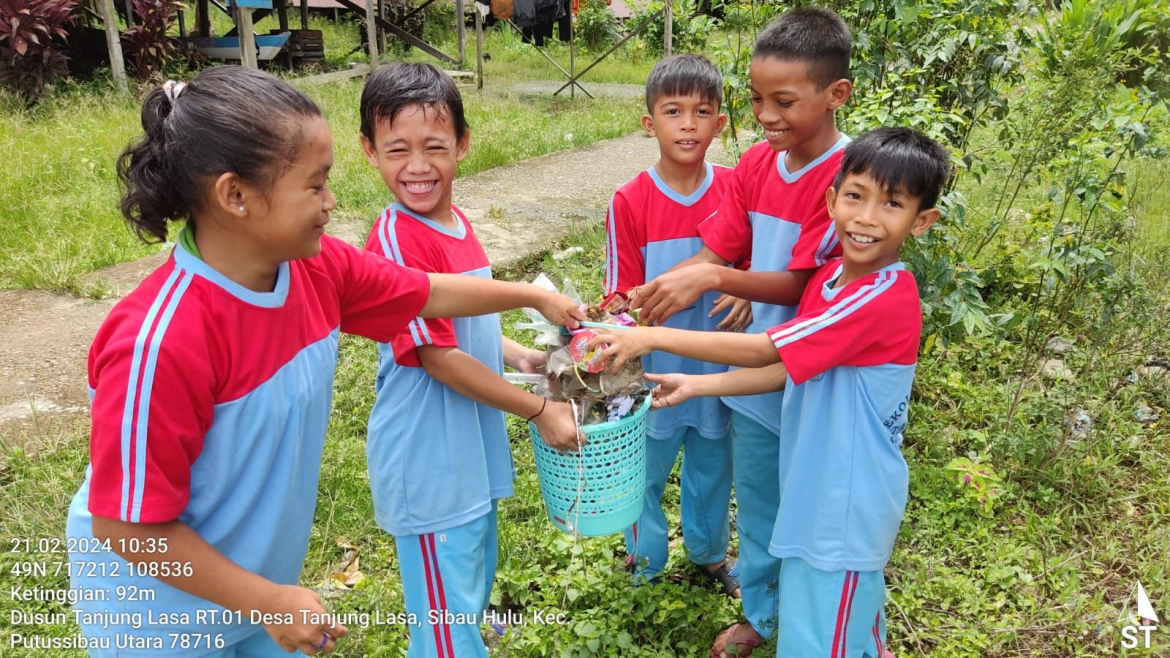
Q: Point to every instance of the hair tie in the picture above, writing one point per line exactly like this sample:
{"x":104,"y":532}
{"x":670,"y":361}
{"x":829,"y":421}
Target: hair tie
{"x":173,"y":89}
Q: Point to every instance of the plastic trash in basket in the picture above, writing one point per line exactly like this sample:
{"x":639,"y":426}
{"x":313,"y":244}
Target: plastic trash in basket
{"x":599,"y":490}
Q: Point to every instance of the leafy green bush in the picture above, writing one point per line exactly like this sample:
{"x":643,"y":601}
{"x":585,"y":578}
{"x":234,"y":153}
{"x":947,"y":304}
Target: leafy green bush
{"x":596,"y":25}
{"x":1135,"y":31}
{"x":965,"y":55}
{"x":742,"y":21}
{"x":689,"y":27}
{"x":402,"y":14}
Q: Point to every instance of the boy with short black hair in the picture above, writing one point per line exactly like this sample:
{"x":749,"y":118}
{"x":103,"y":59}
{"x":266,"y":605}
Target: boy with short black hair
{"x":652,"y":224}
{"x":438,"y":450}
{"x":846,"y":365}
{"x":773,"y":214}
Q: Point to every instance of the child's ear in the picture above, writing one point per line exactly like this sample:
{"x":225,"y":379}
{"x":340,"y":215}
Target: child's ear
{"x":839,"y":92}
{"x":830,"y":200}
{"x":721,"y":124}
{"x":371,"y":154}
{"x":229,"y":195}
{"x":648,"y":124}
{"x":923,"y":221}
{"x":462,"y":146}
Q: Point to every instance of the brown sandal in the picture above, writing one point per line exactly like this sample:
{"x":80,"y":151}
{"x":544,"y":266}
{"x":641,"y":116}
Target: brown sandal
{"x":728,"y":645}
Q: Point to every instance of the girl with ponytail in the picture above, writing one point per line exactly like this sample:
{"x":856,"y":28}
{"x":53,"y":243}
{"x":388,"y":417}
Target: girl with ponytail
{"x":211,"y":383}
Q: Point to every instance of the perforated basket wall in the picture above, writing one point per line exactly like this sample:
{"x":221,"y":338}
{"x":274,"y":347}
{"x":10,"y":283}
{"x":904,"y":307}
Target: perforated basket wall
{"x":599,"y":491}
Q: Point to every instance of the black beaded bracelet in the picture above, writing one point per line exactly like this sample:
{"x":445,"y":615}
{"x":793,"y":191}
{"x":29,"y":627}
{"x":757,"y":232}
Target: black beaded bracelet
{"x":543,"y":402}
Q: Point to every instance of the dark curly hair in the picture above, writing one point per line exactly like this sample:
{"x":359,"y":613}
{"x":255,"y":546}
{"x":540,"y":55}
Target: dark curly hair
{"x":227,"y":119}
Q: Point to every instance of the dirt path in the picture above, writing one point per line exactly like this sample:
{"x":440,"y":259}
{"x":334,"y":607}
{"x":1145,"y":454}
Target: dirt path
{"x":517,"y":211}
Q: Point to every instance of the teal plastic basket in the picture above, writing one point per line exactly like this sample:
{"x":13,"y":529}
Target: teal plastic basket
{"x":599,"y":491}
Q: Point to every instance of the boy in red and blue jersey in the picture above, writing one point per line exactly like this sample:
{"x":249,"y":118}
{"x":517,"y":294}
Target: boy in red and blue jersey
{"x":846,"y":365}
{"x":438,"y":451}
{"x":653,"y":225}
{"x":773,"y":214}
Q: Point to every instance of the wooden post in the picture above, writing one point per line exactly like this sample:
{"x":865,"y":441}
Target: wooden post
{"x":182,"y":23}
{"x":372,"y":33}
{"x":667,"y":29}
{"x":247,"y":35}
{"x":282,"y":19}
{"x":117,"y":64}
{"x":478,"y":46}
{"x":381,"y":31}
{"x":203,"y":18}
{"x":573,"y":51}
{"x":304,"y":14}
{"x":460,"y":19}
{"x":129,"y":14}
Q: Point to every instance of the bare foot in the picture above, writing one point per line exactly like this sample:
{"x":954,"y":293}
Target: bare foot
{"x":736,"y":641}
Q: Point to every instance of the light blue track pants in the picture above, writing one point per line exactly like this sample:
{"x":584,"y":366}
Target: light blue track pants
{"x":447,"y":583}
{"x":706,"y":496}
{"x":756,"y":465}
{"x":835,"y":614}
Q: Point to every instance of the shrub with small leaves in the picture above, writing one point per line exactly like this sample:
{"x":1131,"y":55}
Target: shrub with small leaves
{"x":596,"y":25}
{"x":978,"y":481}
{"x":689,"y":27}
{"x":29,"y":60}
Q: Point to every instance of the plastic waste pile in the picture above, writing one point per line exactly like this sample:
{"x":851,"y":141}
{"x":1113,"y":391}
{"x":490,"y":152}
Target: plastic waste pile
{"x":576,"y":373}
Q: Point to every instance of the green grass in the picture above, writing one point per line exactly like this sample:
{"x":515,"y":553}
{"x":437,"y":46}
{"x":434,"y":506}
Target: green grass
{"x":61,"y":198}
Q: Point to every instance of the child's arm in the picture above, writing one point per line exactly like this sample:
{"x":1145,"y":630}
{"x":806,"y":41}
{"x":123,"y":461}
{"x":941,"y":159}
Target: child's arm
{"x":674,"y":388}
{"x":676,"y":289}
{"x":470,"y":378}
{"x":744,"y":350}
{"x":206,"y":573}
{"x":782,"y":288}
{"x":523,"y":359}
{"x":739,"y":313}
{"x":679,"y":288}
{"x":458,"y":295}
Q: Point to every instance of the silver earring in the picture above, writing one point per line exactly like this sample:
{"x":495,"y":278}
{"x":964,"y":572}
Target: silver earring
{"x":241,"y":209}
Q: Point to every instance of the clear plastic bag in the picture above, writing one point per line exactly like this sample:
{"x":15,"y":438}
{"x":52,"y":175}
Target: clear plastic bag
{"x":547,"y":333}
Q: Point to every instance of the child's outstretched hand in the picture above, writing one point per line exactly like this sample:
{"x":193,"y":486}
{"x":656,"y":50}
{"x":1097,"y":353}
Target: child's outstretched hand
{"x":561,"y":310}
{"x":673,"y":389}
{"x":306,"y":633}
{"x":674,"y":291}
{"x":558,"y":428}
{"x":528,"y":360}
{"x":739,"y":317}
{"x":621,"y":346}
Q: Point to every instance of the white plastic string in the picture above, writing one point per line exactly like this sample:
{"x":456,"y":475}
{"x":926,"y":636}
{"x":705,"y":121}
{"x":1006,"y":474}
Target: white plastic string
{"x":580,"y":477}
